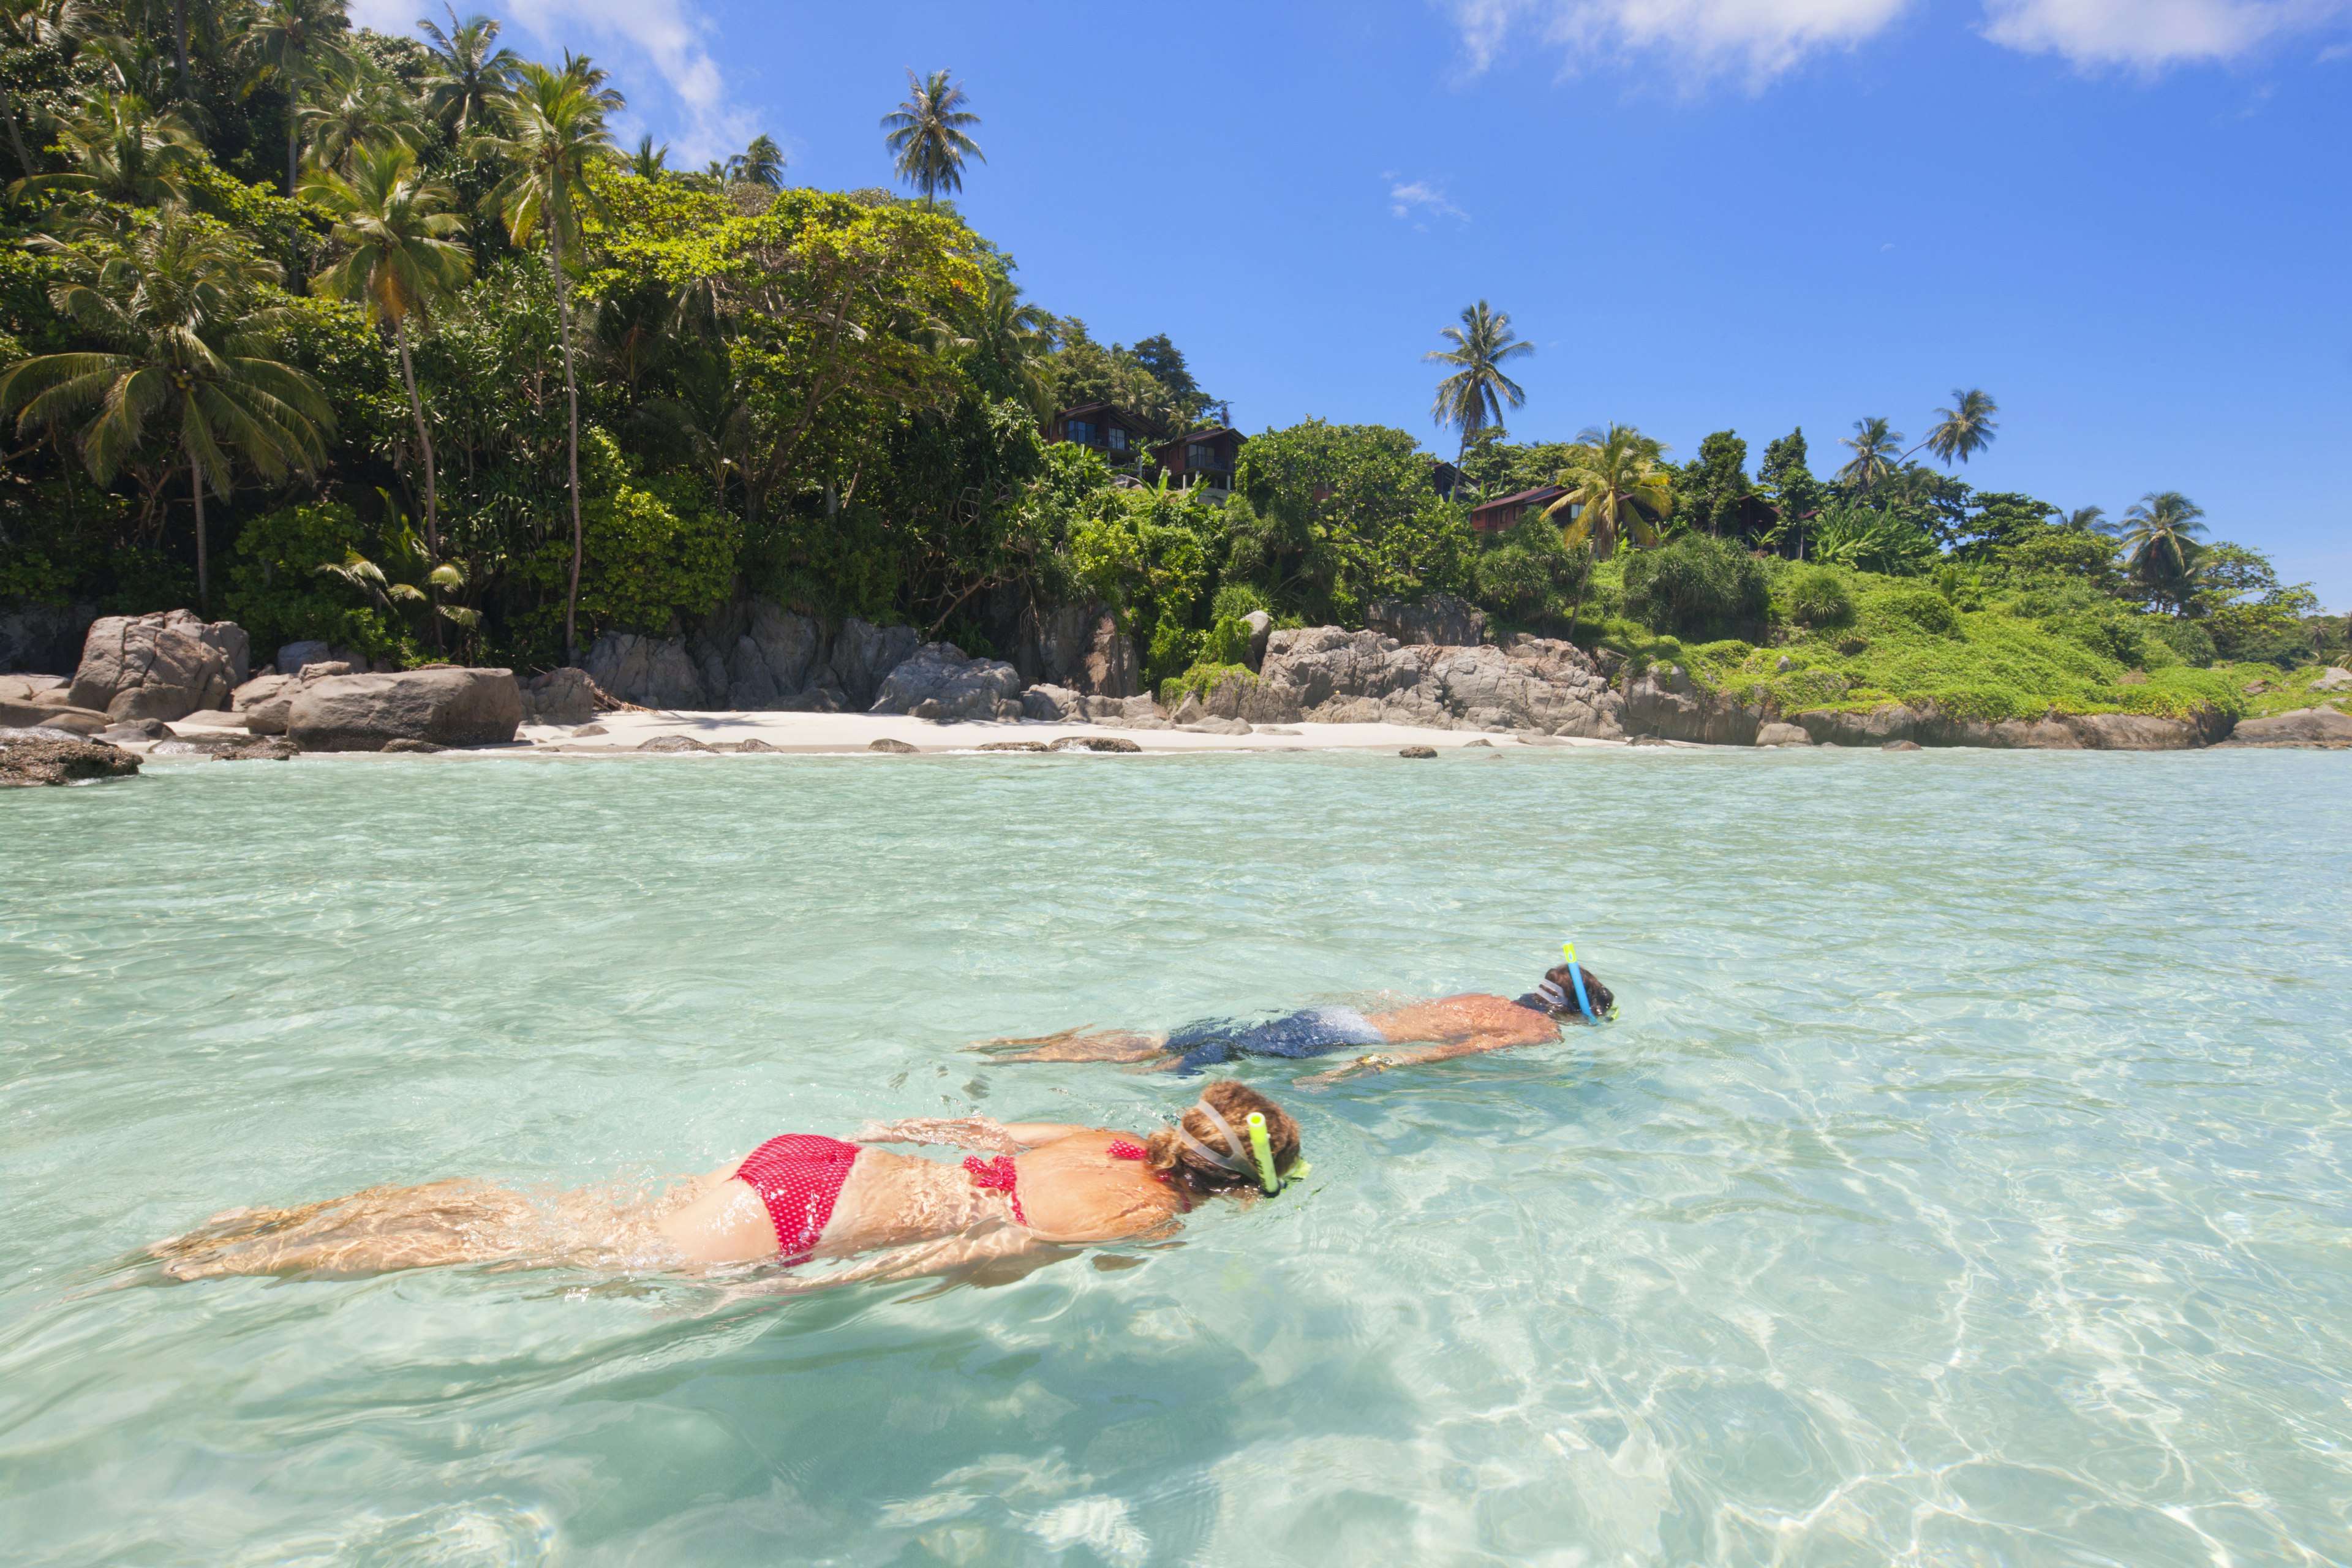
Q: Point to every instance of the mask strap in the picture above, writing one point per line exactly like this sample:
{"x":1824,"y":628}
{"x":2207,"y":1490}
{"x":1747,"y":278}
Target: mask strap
{"x":1232,"y":1162}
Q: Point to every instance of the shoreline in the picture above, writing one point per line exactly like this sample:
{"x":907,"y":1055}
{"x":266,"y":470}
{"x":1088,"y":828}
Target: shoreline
{"x":854,"y":734}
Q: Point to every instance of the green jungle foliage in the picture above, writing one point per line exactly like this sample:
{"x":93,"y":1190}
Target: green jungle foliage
{"x":837,"y":399}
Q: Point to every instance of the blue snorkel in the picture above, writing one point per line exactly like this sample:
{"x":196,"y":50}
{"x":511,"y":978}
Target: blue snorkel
{"x":1575,"y":973}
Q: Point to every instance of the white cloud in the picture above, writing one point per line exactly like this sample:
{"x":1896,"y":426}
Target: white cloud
{"x":626,"y":38}
{"x":1420,"y":198}
{"x":1756,"y":39}
{"x":2148,"y":34}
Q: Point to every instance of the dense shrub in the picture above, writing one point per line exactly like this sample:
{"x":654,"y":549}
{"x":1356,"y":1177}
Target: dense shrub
{"x":1529,"y":575}
{"x":1694,"y":582}
{"x":2186,"y":638}
{"x":279,"y":592}
{"x":1913,"y":609}
{"x":1817,"y":597}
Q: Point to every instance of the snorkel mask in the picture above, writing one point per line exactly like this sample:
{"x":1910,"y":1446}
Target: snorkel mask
{"x":1259,"y":1166}
{"x":1554,"y":995}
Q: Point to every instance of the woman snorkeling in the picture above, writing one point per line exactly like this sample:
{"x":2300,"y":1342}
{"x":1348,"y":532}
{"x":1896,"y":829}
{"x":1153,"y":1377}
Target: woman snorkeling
{"x":1459,"y":1025}
{"x":1049,"y":1187}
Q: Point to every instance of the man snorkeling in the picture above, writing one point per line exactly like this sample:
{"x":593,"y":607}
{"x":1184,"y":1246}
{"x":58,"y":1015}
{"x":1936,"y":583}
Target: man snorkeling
{"x":1450,"y":1026}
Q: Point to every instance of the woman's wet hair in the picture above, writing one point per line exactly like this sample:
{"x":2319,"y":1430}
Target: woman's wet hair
{"x":1171,"y":1157}
{"x":1600,"y":995}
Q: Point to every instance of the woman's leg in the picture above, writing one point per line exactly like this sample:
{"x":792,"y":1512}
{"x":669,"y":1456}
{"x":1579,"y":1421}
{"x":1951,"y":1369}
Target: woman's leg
{"x":371,"y":1232}
{"x":1071,"y":1046}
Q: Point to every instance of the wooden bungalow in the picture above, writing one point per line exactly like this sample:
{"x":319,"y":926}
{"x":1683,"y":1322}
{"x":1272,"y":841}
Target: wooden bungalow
{"x":1445,"y":479}
{"x":1506,"y":511}
{"x":1118,"y":434}
{"x":1202,"y":457}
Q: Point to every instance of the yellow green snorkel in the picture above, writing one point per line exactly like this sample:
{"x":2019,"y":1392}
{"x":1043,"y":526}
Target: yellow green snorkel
{"x":1262,"y":1150}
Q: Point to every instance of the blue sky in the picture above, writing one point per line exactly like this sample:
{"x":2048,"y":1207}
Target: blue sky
{"x":2129,"y":220}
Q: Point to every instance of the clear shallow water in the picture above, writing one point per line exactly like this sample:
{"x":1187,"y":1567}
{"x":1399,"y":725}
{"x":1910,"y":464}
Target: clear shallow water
{"x":1964,"y":1180}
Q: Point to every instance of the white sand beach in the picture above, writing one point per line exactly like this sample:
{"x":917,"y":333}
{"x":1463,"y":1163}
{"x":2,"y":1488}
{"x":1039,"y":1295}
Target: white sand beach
{"x":821,"y":733}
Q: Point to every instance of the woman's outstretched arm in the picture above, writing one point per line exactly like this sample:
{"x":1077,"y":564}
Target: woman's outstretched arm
{"x":967,"y":1132}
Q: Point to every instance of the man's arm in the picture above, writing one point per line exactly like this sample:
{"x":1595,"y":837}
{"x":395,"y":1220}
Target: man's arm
{"x":1380,"y":1061}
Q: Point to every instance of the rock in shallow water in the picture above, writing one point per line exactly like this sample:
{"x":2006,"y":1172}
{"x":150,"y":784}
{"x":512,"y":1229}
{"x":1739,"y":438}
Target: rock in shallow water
{"x":29,"y":757}
{"x":1418,"y":752}
{"x":1094,"y":743}
{"x":889,"y":743}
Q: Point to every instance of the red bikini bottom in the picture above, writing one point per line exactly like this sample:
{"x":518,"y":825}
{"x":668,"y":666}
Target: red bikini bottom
{"x":798,"y":1176}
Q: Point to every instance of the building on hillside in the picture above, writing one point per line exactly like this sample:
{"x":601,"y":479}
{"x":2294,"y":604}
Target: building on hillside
{"x":1118,"y":434}
{"x":1446,"y":480}
{"x":1506,"y":511}
{"x":1202,"y":457}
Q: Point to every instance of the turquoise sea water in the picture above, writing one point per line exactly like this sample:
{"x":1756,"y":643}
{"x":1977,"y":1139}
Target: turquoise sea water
{"x":1964,"y":1180}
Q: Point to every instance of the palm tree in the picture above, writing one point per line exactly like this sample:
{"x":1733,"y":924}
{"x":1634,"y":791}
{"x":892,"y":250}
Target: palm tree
{"x":1473,"y":395}
{"x":1875,"y":448}
{"x":32,"y":25}
{"x":401,"y":258}
{"x":555,"y":130}
{"x":358,"y":107}
{"x":649,"y":161}
{"x":1964,"y":430}
{"x":124,"y":150}
{"x":2162,"y":526}
{"x":761,"y":164}
{"x":292,"y":43}
{"x":927,"y":136}
{"x":189,"y":342}
{"x":1017,"y":336}
{"x":1617,"y":488}
{"x":2086,"y":518}
{"x":470,"y":75}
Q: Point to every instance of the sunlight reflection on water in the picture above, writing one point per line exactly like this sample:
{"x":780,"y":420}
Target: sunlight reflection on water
{"x":1963,"y":1180}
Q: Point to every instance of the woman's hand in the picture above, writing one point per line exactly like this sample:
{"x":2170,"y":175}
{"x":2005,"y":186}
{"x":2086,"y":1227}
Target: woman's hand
{"x":955,"y":1132}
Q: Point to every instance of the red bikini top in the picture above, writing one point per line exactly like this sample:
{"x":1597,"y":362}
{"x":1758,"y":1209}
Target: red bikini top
{"x":1124,"y":1149}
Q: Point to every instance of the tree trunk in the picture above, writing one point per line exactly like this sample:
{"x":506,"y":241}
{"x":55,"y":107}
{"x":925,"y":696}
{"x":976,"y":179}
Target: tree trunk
{"x":204,"y":576}
{"x":571,"y":395}
{"x":293,"y":145}
{"x":180,"y":37}
{"x":15,"y":135}
{"x":424,"y":441}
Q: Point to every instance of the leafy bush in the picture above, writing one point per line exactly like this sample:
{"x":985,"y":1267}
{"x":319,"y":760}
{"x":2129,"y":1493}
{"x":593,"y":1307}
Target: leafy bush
{"x":1817,"y":597}
{"x":1530,"y":576}
{"x":654,"y":549}
{"x":2186,"y":638}
{"x":1870,"y":540}
{"x":1912,"y":609}
{"x":279,"y":593}
{"x":1695,"y":581}
{"x":1203,"y":678}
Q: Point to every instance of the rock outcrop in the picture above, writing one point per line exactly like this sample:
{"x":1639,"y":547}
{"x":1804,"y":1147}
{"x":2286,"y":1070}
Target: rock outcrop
{"x":38,"y":638}
{"x":163,"y":665}
{"x":564,"y":695}
{"x":1328,"y":676}
{"x":1929,"y":726}
{"x":264,"y":702}
{"x":751,"y":653}
{"x":40,"y":756}
{"x":1060,"y":705}
{"x":940,"y":681}
{"x":1076,"y":648}
{"x":1440,"y":620}
{"x":2308,"y":727}
{"x":442,"y":703}
{"x":28,"y":715}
